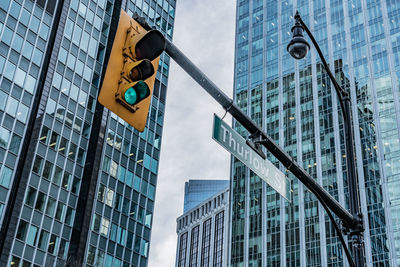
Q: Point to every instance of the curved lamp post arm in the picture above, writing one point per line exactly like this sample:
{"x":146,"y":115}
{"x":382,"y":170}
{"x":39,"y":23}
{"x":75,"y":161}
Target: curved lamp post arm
{"x":298,"y":48}
{"x":345,"y":103}
{"x":341,"y":93}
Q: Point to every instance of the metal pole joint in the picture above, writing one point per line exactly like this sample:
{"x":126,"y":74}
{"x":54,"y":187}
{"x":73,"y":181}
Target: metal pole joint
{"x":355,"y":232}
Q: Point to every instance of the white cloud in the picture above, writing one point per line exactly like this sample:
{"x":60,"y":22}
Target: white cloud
{"x":204,"y":31}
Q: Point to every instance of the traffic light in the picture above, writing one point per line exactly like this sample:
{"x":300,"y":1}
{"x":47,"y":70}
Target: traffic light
{"x":131,"y":71}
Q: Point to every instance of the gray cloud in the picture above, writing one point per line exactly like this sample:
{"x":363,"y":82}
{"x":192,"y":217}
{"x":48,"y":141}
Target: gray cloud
{"x":204,"y":31}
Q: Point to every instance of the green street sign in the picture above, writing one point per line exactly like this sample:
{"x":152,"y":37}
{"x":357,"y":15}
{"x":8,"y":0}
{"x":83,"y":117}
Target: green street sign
{"x":236,"y":145}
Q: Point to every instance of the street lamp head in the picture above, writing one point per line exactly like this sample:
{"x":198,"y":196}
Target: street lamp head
{"x":298,"y":46}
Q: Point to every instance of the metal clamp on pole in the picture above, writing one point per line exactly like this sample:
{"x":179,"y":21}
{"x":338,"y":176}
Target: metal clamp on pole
{"x":254,"y":141}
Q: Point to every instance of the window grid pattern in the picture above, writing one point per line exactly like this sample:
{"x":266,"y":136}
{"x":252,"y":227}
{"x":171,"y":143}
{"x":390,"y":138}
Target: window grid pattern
{"x":50,"y":198}
{"x":219,"y":239}
{"x":359,"y":39}
{"x":60,"y":153}
{"x":24,"y":31}
{"x":128,"y":177}
{"x":182,"y":250}
{"x":205,"y":244}
{"x":194,"y":246}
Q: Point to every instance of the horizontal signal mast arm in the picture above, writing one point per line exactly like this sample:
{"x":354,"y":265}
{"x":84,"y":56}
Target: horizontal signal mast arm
{"x":349,"y":220}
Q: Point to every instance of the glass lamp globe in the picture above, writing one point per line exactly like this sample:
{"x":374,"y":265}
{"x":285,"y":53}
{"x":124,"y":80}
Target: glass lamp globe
{"x":298,"y":47}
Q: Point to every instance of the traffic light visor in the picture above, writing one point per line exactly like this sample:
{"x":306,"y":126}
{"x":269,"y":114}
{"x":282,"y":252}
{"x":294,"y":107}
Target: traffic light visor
{"x":150,"y":46}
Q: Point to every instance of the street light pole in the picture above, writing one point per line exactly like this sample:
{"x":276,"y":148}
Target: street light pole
{"x":298,"y":48}
{"x":329,"y":203}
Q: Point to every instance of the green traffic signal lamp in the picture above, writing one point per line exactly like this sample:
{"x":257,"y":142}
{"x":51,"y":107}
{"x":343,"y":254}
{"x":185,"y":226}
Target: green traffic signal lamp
{"x":136,"y":93}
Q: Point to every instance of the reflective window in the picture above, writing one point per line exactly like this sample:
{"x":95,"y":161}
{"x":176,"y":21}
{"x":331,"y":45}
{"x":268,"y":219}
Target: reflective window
{"x":54,"y":140}
{"x":22,"y":230}
{"x":4,"y":137}
{"x":105,"y":224}
{"x":19,"y":77}
{"x":66,"y":180}
{"x":72,"y":151}
{"x":30,"y":196}
{"x":22,"y":113}
{"x":37,"y":165}
{"x":63,"y":146}
{"x":12,"y":105}
{"x":6,"y":175}
{"x":136,"y":184}
{"x":109,"y":196}
{"x":68,"y":28}
{"x":60,"y":211}
{"x":144,"y":247}
{"x":53,"y":244}
{"x":48,"y":167}
{"x":121,"y":174}
{"x":44,"y":136}
{"x":27,"y":50}
{"x":69,"y":216}
{"x":32,"y":235}
{"x":129,"y":178}
{"x":37,"y":56}
{"x":3,"y":98}
{"x":51,"y":206}
{"x":43,"y":239}
{"x":151,"y":192}
{"x":40,"y":202}
{"x":15,"y":143}
{"x":57,"y":175}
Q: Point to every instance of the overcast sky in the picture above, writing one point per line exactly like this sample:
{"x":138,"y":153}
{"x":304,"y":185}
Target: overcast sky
{"x":204,"y":31}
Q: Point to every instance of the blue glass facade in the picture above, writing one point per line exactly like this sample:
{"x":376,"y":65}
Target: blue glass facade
{"x":294,"y":102}
{"x":77,"y":184}
{"x":196,"y":191}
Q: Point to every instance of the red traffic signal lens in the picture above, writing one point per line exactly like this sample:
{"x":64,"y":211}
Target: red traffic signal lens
{"x":142,"y":71}
{"x":150,"y":46}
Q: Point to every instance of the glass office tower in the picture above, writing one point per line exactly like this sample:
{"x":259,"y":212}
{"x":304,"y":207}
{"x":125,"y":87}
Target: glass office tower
{"x":77,"y":184}
{"x":196,"y":191}
{"x":295,"y":104}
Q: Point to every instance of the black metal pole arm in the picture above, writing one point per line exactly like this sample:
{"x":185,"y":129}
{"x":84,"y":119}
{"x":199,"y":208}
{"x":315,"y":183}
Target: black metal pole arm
{"x":345,"y":103}
{"x":341,"y":93}
{"x":356,"y":232}
{"x":349,"y":220}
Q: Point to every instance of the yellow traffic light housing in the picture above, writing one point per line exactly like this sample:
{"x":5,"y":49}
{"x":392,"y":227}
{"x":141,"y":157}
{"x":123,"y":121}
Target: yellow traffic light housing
{"x":131,"y":71}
